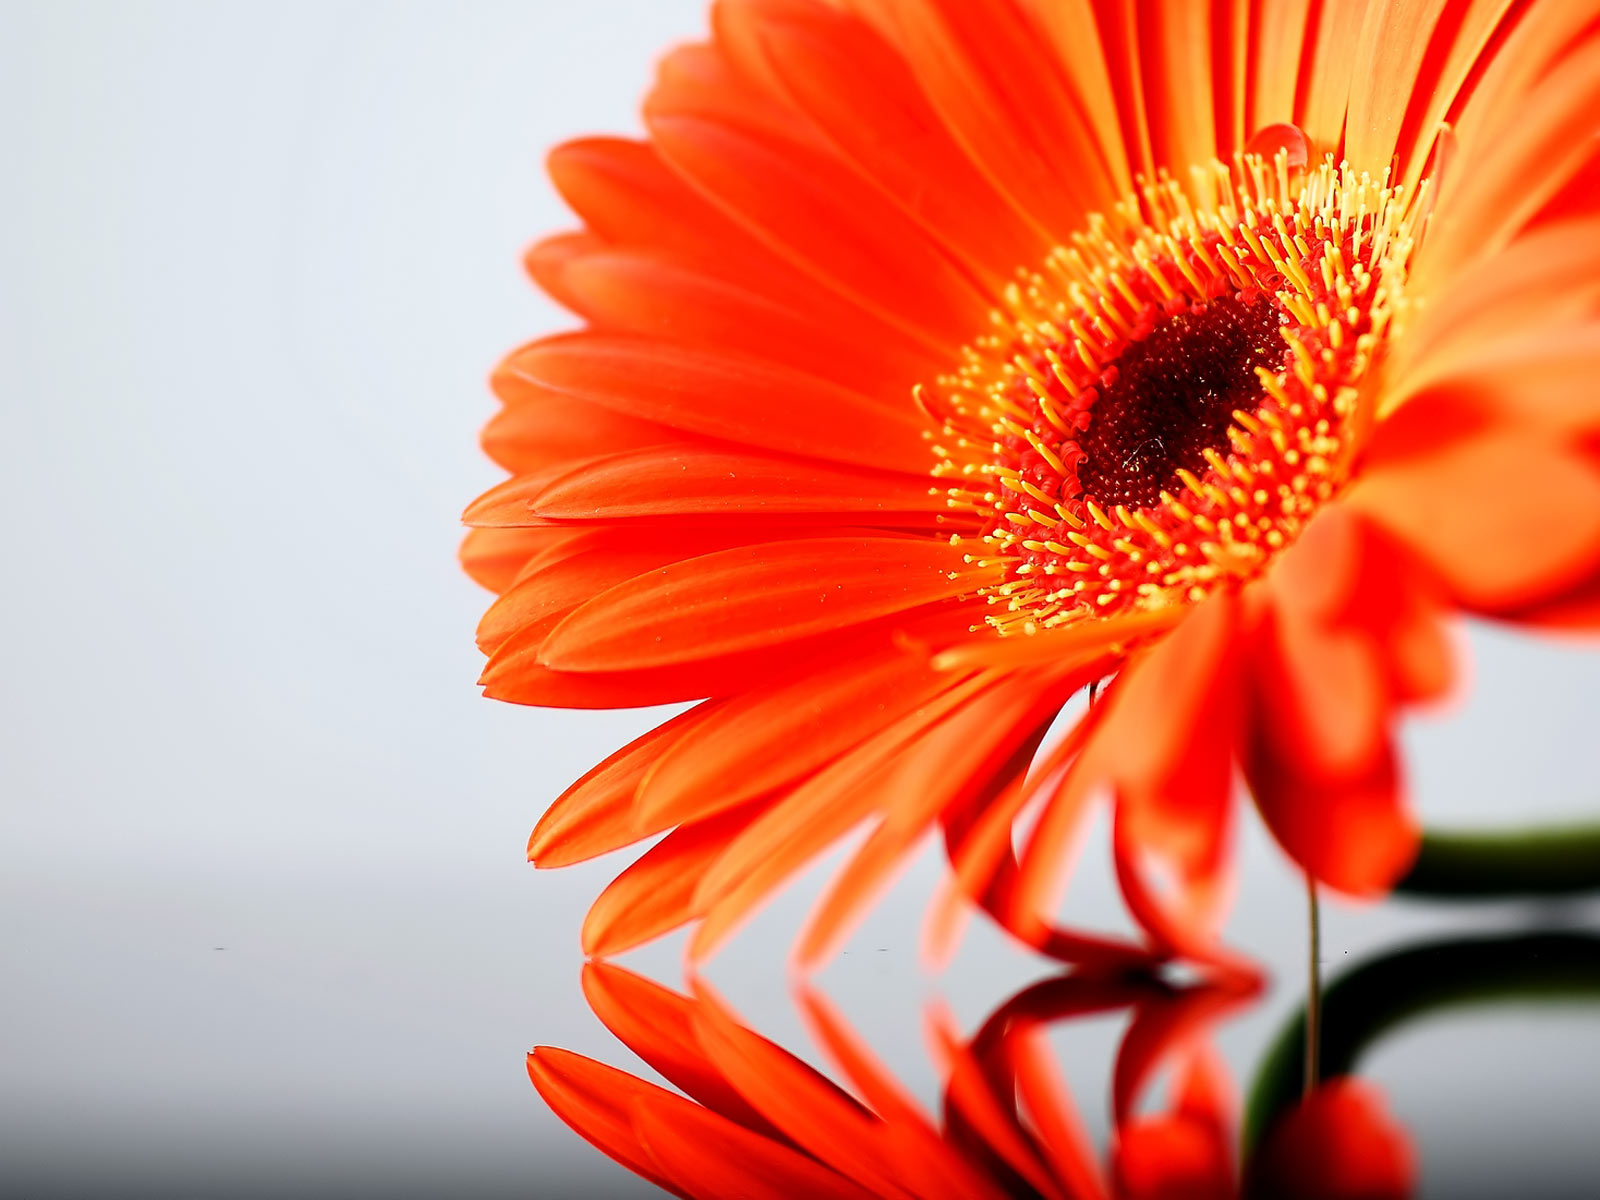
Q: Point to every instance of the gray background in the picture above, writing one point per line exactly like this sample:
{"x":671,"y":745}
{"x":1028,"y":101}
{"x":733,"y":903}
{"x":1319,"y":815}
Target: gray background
{"x":265,"y":927}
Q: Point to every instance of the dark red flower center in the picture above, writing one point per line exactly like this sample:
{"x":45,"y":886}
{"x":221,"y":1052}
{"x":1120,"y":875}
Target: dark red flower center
{"x":1173,"y":394}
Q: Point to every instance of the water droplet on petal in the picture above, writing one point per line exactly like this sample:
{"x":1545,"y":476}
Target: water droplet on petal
{"x":1270,"y":139}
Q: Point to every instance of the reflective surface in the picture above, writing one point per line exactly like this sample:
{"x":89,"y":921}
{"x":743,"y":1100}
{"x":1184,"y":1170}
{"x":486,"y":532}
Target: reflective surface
{"x":265,"y":927}
{"x":748,"y":1117}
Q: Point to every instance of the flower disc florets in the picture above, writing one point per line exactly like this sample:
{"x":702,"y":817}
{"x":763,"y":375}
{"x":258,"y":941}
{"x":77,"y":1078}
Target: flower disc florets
{"x":1164,"y":404}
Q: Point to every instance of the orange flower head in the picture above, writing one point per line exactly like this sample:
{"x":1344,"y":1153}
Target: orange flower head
{"x":942,"y":361}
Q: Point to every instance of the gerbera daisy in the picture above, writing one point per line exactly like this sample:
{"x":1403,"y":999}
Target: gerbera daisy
{"x":754,"y":1120}
{"x":944,"y":359}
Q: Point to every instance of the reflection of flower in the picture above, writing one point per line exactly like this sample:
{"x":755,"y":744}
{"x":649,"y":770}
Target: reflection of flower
{"x":759,"y":1122}
{"x":1239,"y":436}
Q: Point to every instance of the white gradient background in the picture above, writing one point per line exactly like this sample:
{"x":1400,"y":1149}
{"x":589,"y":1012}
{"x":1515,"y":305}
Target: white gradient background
{"x":265,"y":927}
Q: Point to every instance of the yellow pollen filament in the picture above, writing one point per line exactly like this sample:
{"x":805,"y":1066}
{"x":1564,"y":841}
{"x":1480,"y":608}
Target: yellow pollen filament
{"x":1045,"y":452}
{"x":1218,"y":463}
{"x":1048,"y":407}
{"x":1177,"y":509}
{"x":1032,"y":491}
{"x":1083,"y":335}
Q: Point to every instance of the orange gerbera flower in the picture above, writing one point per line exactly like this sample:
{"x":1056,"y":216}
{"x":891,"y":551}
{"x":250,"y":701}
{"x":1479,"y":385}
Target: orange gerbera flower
{"x":942,"y":359}
{"x":754,"y":1120}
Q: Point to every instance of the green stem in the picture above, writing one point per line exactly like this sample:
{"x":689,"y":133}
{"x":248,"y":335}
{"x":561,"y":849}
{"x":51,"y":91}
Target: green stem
{"x":1366,"y":1003}
{"x":1545,"y":862}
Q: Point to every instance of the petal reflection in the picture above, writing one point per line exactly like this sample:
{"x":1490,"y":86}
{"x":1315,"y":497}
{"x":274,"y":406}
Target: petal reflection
{"x":755,"y":1120}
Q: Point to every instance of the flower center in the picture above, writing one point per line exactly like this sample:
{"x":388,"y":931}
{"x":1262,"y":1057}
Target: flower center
{"x":1172,"y":396}
{"x":1164,"y":404}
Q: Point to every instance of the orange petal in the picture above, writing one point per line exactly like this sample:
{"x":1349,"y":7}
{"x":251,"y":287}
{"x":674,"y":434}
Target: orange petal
{"x":1465,"y":41}
{"x":1548,"y":278}
{"x":969,"y":1096}
{"x":1278,"y":33}
{"x":1171,"y":1029}
{"x":1543,"y":380}
{"x":1504,"y":520}
{"x":862,"y":95}
{"x":978,"y":837}
{"x":1166,"y":747}
{"x":1080,"y":642}
{"x":516,"y":676}
{"x":928,"y":1165}
{"x":541,"y":598}
{"x":776,"y":735}
{"x":1177,"y":52}
{"x":548,"y":259}
{"x":1577,"y":609}
{"x":592,"y":1098}
{"x":628,"y":196}
{"x":727,"y":396}
{"x":710,"y":1156}
{"x":754,"y":596}
{"x":722,"y":82}
{"x":515,"y":673}
{"x":1506,"y":173}
{"x":493,"y":557}
{"x":1321,"y":695}
{"x":539,"y":429}
{"x":1344,"y":579}
{"x":1340,"y":1144}
{"x":1018,"y":108}
{"x":647,"y":293}
{"x":1050,"y":1111}
{"x":680,"y":480}
{"x":1354,"y":835}
{"x":594,"y":815}
{"x":822,"y":218}
{"x":1412,"y":59}
{"x":1076,"y":44}
{"x":509,"y":505}
{"x":1542,"y":36}
{"x":1179,"y":897}
{"x":632,"y":199}
{"x":813,"y":1112}
{"x":1331,"y":50}
{"x":1163,"y":694}
{"x":1320,"y":680}
{"x":980,"y":750}
{"x":816,"y":813}
{"x":658,"y":1026}
{"x":656,"y":894}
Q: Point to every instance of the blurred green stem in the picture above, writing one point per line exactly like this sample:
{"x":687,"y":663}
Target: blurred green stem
{"x":1544,"y":862}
